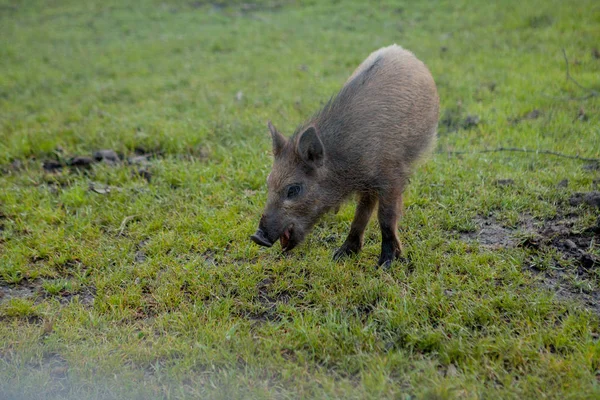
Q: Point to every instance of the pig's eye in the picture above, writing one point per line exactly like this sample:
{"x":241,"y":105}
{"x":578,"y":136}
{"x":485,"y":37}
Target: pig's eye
{"x":294,"y":190}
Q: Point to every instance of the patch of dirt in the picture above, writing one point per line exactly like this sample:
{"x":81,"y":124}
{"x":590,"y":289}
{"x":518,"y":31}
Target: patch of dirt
{"x":590,"y":198}
{"x":52,"y":165}
{"x":14,"y":166}
{"x":33,"y":290}
{"x":140,"y":162}
{"x":364,"y":309}
{"x":576,"y":270}
{"x":209,"y":257}
{"x":216,"y":257}
{"x":107,"y":156}
{"x":453,"y":120}
{"x":143,"y":173}
{"x":243,"y":260}
{"x":72,"y":268}
{"x":471,"y":121}
{"x":86,"y":296}
{"x":572,"y":245}
{"x":141,"y":166}
{"x":26,"y":289}
{"x":139,"y":159}
{"x":80,"y":162}
{"x":140,"y":255}
{"x":244,"y":7}
{"x":268,"y":302}
{"x":561,"y":284}
{"x":492,"y":234}
{"x":272,"y":6}
{"x":534,"y":114}
{"x":504,"y":182}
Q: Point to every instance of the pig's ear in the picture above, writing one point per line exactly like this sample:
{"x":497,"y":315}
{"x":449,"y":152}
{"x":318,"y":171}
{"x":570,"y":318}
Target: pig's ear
{"x":278,"y":139}
{"x":310,"y":147}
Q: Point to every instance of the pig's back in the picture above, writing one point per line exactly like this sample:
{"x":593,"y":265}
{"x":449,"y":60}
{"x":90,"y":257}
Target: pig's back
{"x":384,"y":118}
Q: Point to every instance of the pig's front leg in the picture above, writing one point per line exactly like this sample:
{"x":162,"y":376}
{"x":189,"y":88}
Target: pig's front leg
{"x":354,"y":241}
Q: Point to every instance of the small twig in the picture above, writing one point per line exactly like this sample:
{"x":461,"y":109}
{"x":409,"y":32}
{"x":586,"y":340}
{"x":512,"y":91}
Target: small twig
{"x":591,"y":92}
{"x":516,"y":149}
{"x":570,"y":78}
{"x":124,"y":223}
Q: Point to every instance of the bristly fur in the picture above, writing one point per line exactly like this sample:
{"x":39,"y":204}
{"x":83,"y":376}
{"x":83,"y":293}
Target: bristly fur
{"x":342,"y":97}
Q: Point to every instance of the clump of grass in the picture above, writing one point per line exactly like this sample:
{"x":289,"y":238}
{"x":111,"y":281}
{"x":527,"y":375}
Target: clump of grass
{"x":18,"y":308}
{"x":57,"y":286}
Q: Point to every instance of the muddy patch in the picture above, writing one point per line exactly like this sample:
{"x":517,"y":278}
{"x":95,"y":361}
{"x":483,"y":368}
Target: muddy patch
{"x":268,"y":300}
{"x":591,"y":199}
{"x":575,"y":245}
{"x":60,"y":166}
{"x":13,"y":167}
{"x":26,"y":289}
{"x":210,"y":257}
{"x":140,"y":252}
{"x":84,"y":296}
{"x":34,"y":291}
{"x":80,"y":162}
{"x":455,"y":119}
{"x":574,"y":273}
{"x":243,"y":7}
{"x":107,"y":156}
{"x":492,"y":234}
{"x":569,"y":287}
{"x":534,"y":114}
{"x":52,"y":165}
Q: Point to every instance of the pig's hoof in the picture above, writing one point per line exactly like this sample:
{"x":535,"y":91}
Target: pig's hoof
{"x":345,"y":251}
{"x":385,"y":263}
{"x":386,"y":260}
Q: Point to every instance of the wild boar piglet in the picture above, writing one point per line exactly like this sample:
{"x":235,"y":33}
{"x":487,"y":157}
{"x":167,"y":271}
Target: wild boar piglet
{"x":365,"y":141}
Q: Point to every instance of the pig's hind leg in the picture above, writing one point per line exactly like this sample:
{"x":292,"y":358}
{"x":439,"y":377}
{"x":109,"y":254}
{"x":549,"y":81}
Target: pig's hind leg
{"x":390,"y":209}
{"x":354,"y":241}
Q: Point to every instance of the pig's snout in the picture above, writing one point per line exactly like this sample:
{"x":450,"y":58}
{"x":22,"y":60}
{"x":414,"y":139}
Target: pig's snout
{"x":261,"y":238}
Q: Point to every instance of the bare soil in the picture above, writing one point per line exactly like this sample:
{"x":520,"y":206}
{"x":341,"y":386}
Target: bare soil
{"x":576,"y":271}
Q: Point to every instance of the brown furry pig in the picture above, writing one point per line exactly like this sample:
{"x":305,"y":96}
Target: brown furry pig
{"x":365,"y":140}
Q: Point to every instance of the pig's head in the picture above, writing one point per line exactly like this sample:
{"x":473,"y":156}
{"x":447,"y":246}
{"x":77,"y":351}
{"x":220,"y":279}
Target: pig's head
{"x":297,"y":194}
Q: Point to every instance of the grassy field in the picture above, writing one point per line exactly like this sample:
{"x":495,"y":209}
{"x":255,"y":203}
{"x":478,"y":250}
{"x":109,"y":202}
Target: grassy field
{"x":136,"y":279}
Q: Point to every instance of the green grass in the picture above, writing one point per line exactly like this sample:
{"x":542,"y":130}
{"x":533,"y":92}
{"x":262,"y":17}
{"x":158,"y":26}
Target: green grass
{"x":153,"y":290}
